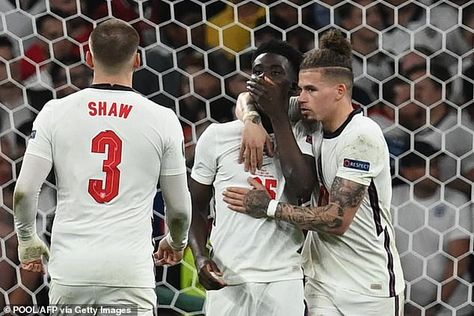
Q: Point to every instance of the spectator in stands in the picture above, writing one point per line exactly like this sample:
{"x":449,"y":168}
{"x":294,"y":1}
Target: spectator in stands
{"x":413,"y":58}
{"x":443,"y":131}
{"x":396,"y":94}
{"x":235,"y":37}
{"x":51,"y":29}
{"x":70,"y":79}
{"x":364,"y":42}
{"x":439,"y":222}
{"x":7,"y":54}
{"x":409,"y":15}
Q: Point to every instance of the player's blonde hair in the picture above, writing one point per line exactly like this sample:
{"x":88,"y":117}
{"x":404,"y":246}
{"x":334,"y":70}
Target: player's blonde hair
{"x":113,"y":44}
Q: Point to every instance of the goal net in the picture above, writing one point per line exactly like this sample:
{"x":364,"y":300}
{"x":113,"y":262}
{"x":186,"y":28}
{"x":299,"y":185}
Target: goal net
{"x":413,"y":65}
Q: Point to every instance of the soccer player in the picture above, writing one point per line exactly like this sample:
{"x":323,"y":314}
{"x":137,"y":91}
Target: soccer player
{"x":254,"y":264}
{"x":109,"y":147}
{"x":351,"y":261}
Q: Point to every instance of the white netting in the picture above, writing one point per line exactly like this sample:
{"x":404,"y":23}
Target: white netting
{"x":413,"y":62}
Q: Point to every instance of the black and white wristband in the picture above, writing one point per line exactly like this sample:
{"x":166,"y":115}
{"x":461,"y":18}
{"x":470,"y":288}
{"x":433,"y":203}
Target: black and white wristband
{"x":272,"y":207}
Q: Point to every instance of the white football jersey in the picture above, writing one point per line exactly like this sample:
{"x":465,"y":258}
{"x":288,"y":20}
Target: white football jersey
{"x":246,"y":249}
{"x":365,"y":258}
{"x":109,"y":146}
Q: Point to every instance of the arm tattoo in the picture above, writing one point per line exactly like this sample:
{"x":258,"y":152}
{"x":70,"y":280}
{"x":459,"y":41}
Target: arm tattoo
{"x":347,"y":193}
{"x":344,"y":195}
{"x":256,"y":203}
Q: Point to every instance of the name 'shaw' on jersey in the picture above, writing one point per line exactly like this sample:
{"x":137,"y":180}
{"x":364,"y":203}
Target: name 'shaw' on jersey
{"x":102,"y":108}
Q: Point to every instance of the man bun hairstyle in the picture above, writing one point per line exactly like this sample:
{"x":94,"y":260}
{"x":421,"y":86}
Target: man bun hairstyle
{"x":281,"y":48}
{"x":114,"y":43}
{"x":333,"y":58}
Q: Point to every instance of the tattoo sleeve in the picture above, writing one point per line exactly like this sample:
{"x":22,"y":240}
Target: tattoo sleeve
{"x":344,"y":200}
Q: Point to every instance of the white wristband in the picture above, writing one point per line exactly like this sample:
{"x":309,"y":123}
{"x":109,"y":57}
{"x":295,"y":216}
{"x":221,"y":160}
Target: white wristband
{"x":272,"y":207}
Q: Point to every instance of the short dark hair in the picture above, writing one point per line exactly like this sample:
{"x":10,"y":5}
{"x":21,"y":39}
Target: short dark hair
{"x":437,"y":71}
{"x":281,"y":48}
{"x":424,"y":152}
{"x":5,"y":42}
{"x":114,"y":42}
{"x":334,"y":57}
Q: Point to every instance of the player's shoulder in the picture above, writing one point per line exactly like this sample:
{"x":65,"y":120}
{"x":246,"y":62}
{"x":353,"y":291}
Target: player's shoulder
{"x":225,"y":128}
{"x":222,"y":132}
{"x":363,"y":126}
{"x":366,"y":124}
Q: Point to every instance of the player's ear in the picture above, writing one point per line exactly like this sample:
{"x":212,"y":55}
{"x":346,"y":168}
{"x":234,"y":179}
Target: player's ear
{"x":341,"y":91}
{"x":137,"y":61}
{"x":89,"y":59}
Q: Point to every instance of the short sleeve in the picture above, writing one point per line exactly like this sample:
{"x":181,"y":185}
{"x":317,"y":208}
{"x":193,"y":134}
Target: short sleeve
{"x":305,"y":143}
{"x":173,"y":161}
{"x":205,"y":161}
{"x":40,"y":142}
{"x":362,"y":156}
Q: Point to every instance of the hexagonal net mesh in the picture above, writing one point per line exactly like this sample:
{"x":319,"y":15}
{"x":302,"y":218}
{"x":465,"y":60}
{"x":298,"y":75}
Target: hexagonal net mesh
{"x":413,"y":65}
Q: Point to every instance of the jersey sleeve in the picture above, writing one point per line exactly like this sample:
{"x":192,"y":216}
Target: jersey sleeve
{"x":362,"y":156}
{"x":173,"y":161}
{"x":205,"y":162}
{"x":305,"y":143}
{"x":40,"y":142}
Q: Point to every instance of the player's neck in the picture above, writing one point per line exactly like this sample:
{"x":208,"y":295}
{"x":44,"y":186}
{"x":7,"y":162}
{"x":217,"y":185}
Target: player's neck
{"x":116,"y":79}
{"x":340,"y":115}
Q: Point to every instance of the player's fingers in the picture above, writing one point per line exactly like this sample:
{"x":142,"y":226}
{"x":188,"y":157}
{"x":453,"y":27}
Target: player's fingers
{"x":233,"y":195}
{"x":253,"y":160}
{"x":158,"y":257}
{"x":214,"y":268}
{"x":37,"y":267}
{"x":257,"y":185}
{"x":212,"y":279}
{"x":236,"y":190}
{"x":234,"y":202}
{"x":247,"y":159}
{"x":239,"y":209}
{"x":241,"y":152}
{"x":27,"y":266}
{"x":256,"y":92}
{"x":269,"y":147}
{"x":259,"y":158}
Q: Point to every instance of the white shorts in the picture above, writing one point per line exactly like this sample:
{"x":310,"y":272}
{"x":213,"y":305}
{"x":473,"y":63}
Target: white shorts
{"x":281,"y":298}
{"x":144,"y":299}
{"x":323,"y":299}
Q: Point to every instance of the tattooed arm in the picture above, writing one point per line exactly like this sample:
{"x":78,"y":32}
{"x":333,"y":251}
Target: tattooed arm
{"x":335,"y":218}
{"x":344,"y":201}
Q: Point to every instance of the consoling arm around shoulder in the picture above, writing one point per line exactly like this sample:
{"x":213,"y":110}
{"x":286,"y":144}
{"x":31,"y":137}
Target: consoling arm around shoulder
{"x":335,"y":218}
{"x":178,"y":208}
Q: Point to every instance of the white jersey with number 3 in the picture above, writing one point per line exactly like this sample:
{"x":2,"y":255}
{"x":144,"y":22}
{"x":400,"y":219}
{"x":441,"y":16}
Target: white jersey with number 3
{"x":109,"y":146}
{"x":365,"y":259}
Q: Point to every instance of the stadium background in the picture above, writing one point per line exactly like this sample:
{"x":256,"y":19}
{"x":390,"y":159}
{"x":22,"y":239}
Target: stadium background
{"x":196,"y":59}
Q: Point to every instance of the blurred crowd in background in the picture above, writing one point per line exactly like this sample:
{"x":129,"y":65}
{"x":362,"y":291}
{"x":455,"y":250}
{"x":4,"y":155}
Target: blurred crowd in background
{"x":413,"y":63}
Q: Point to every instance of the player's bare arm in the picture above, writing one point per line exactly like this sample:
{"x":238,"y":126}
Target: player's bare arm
{"x":209,"y":273}
{"x":254,"y":137}
{"x":335,"y":218}
{"x":298,"y":169}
